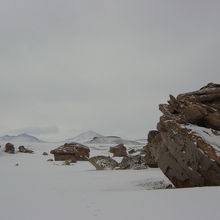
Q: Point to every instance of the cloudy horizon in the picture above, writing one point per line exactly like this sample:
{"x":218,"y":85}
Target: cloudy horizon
{"x":72,"y":66}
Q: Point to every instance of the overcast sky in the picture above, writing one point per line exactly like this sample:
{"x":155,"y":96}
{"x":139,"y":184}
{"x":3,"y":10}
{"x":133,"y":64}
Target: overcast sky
{"x":70,"y":66}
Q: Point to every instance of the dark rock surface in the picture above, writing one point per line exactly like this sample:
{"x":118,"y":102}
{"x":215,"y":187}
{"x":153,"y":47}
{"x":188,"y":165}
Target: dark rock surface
{"x":9,"y":148}
{"x":118,"y":151}
{"x":133,"y":162}
{"x":22,"y":149}
{"x":187,"y":143}
{"x":71,"y":151}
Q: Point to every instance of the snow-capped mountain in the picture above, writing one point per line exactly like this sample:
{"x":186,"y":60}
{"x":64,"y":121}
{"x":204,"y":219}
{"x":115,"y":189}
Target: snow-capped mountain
{"x":84,"y":137}
{"x":112,"y":140}
{"x":23,"y":138}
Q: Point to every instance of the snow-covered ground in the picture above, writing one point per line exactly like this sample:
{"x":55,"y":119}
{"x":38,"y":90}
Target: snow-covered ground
{"x":40,"y":190}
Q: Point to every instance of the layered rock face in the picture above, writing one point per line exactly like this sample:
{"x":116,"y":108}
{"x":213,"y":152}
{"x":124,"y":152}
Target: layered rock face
{"x":186,"y":145}
{"x":118,"y":151}
{"x":71,"y":151}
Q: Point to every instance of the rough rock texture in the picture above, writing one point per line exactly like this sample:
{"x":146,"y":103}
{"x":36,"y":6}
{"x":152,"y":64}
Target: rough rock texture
{"x":118,"y":151}
{"x":9,"y":148}
{"x":71,"y":151}
{"x":133,"y":162}
{"x":22,"y":149}
{"x":103,"y":163}
{"x":149,"y":157}
{"x":187,"y":143}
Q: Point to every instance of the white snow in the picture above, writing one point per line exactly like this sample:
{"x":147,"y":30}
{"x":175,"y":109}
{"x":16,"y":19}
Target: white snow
{"x":84,"y":137}
{"x":207,"y":135}
{"x":41,"y":190}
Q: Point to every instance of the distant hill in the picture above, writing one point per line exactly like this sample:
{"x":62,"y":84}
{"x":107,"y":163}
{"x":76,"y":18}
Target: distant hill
{"x":112,"y":140}
{"x":84,"y":137}
{"x":22,"y":138}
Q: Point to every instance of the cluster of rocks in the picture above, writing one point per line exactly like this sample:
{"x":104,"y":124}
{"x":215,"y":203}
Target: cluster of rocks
{"x":9,"y":148}
{"x":71,"y":152}
{"x":185,"y":145}
{"x":135,"y":159}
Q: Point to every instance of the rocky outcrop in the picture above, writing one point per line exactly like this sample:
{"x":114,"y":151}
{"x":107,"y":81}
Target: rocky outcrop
{"x":186,"y":144}
{"x":103,"y":163}
{"x":22,"y":149}
{"x":9,"y":148}
{"x":118,"y":151}
{"x":72,"y":152}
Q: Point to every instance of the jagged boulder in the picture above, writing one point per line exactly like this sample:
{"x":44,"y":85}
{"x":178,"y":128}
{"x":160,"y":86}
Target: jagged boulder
{"x":133,"y":162}
{"x":103,"y":163}
{"x":118,"y":151}
{"x":9,"y":148}
{"x":186,"y":144}
{"x":71,"y":151}
{"x":22,"y":149}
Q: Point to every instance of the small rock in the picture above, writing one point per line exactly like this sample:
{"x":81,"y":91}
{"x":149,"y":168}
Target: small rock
{"x":22,"y":149}
{"x":50,"y":160}
{"x":9,"y":148}
{"x":45,"y":153}
{"x":103,"y":163}
{"x":118,"y":151}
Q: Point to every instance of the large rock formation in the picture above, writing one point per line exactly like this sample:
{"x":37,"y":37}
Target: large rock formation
{"x":71,"y":151}
{"x":118,"y":151}
{"x":9,"y":148}
{"x":187,"y":143}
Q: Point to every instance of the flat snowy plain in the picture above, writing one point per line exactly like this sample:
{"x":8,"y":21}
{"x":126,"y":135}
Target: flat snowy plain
{"x":40,"y":190}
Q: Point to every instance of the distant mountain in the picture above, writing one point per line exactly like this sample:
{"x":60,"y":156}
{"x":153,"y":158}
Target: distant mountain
{"x":112,"y":140}
{"x":84,"y":137}
{"x":22,"y":138}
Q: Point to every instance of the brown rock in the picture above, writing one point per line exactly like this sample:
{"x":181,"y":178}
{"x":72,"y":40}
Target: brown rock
{"x":22,"y":149}
{"x":118,"y":151}
{"x":103,"y":163}
{"x":133,"y":162}
{"x":149,"y":157}
{"x":45,"y":153}
{"x":187,"y":143}
{"x":9,"y":148}
{"x":71,"y":151}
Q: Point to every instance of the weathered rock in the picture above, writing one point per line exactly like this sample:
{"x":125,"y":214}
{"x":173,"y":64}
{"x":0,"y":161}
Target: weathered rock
{"x":22,"y":149}
{"x":149,"y":158}
{"x":187,"y":143}
{"x":118,"y":151}
{"x":71,"y":151}
{"x":45,"y":153}
{"x":133,"y":162}
{"x":9,"y":148}
{"x":103,"y":163}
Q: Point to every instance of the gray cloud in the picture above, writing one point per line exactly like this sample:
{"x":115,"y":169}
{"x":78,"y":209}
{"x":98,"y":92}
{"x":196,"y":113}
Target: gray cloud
{"x":102,"y":65}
